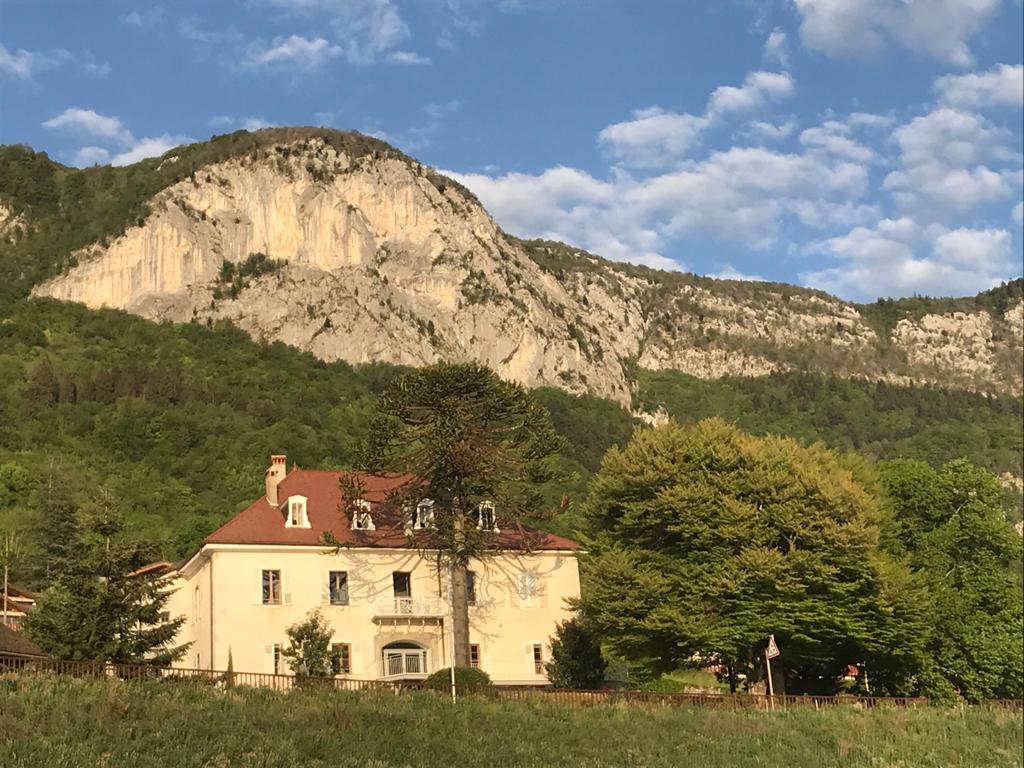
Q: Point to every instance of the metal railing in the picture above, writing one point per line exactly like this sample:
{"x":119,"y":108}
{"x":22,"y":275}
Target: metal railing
{"x":575,"y":698}
{"x":411,"y":606}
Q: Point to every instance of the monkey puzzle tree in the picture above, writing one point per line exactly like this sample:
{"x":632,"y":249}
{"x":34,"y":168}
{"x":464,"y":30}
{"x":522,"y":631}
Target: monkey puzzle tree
{"x":466,"y":437}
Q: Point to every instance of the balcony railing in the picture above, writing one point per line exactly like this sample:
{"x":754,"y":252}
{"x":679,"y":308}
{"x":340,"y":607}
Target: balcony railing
{"x":405,"y":663}
{"x":411,"y":606}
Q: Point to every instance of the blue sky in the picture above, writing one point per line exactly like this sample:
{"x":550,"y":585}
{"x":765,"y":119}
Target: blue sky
{"x":866,"y":147}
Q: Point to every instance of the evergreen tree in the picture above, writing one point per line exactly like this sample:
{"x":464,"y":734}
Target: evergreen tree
{"x":99,"y":608}
{"x":576,"y":659}
{"x":56,"y":528}
{"x":466,"y":437}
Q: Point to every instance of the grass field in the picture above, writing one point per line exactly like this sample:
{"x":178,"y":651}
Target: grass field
{"x":68,"y":723}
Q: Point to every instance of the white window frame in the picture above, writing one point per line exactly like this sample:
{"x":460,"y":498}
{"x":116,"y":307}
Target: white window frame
{"x":423,"y":517}
{"x":486,"y":517}
{"x":362,"y":518}
{"x":330,"y":594}
{"x":296,"y":512}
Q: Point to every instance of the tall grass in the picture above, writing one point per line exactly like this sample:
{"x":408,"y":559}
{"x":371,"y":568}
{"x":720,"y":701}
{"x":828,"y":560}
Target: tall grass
{"x":76,"y":723}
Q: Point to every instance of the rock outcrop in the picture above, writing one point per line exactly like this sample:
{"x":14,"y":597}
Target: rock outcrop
{"x":381,"y":259}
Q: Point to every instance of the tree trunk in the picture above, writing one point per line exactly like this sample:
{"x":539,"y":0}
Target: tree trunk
{"x":732,"y":679}
{"x":5,"y":594}
{"x":460,"y":616}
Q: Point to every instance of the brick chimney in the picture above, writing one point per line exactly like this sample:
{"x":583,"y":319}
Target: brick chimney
{"x":273,"y":477}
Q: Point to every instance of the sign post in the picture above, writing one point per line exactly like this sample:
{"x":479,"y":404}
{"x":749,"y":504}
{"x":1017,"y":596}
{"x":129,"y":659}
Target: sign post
{"x":770,"y":653}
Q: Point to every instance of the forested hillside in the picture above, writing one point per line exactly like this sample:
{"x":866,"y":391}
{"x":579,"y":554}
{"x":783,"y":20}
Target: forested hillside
{"x":176,"y":421}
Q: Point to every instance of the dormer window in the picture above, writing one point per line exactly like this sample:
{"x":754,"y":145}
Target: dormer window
{"x":362,"y":520}
{"x":486,"y":520}
{"x":295,"y":512}
{"x":424,"y":516}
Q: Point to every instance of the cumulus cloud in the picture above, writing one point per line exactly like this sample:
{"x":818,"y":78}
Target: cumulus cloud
{"x":937,"y":28}
{"x":656,"y":137}
{"x":1018,"y":213}
{"x":122,"y":148}
{"x":409,"y":58}
{"x":90,"y":123}
{"x":766,"y":131}
{"x":952,"y":159}
{"x":245,"y":123}
{"x":901,"y":257}
{"x":148,"y":147}
{"x":1001,"y":86}
{"x":776,"y":48}
{"x":834,"y":137}
{"x":24,"y":65}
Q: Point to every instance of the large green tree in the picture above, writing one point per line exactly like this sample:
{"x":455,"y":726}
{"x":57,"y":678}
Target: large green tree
{"x":706,"y":540}
{"x":949,"y":524}
{"x":99,"y":608}
{"x":466,"y":436}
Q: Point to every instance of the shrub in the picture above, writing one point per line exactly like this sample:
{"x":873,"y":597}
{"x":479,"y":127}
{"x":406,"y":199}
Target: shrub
{"x":576,"y":660}
{"x":467,"y":680}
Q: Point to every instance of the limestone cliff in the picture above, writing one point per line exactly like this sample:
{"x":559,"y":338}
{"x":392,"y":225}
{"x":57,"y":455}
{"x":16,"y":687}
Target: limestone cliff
{"x":378,"y":258}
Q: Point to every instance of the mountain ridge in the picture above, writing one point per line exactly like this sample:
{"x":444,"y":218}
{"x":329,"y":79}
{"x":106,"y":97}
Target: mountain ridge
{"x":366,"y":255}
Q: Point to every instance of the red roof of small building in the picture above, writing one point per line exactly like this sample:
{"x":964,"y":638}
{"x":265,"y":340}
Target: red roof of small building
{"x":262,"y":523}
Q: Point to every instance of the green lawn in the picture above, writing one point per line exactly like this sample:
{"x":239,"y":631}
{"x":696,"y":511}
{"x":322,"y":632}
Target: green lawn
{"x":55,"y":723}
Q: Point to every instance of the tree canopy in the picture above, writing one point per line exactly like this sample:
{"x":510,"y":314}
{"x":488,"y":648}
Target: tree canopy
{"x":706,"y":540}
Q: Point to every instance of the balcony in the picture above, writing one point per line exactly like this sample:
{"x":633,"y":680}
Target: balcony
{"x":432,"y":608}
{"x":410,"y":663}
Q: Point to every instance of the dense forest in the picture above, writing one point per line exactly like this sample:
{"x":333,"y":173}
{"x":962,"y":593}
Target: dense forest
{"x":176,"y":422}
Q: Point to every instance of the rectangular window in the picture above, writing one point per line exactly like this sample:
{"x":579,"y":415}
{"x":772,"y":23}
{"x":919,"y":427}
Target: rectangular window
{"x":342,"y":652}
{"x":538,"y":659}
{"x":471,"y":587}
{"x":474,"y":656}
{"x":277,"y":658}
{"x":403,"y":583}
{"x":271,"y":587}
{"x":337,"y":584}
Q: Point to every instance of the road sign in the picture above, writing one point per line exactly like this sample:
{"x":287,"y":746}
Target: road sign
{"x":773,"y":650}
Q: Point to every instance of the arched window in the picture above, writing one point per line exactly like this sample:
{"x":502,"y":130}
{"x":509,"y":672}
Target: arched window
{"x":404,"y":658}
{"x":485,"y":518}
{"x":362,"y":520}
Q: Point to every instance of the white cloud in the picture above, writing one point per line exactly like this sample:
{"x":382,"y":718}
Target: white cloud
{"x":144,"y":19}
{"x":952,"y":159}
{"x":148,"y":147}
{"x":87,"y":156}
{"x":652,"y":137}
{"x":24,"y":65}
{"x":936,"y":28}
{"x":303,"y":52}
{"x":757,"y":90}
{"x":771,"y":131}
{"x":409,"y":58}
{"x":833,"y":136}
{"x":1003,"y":85}
{"x":246,"y":123}
{"x":1018,"y":213}
{"x":776,"y":48}
{"x":91,"y":123}
{"x":656,"y":137}
{"x":728,"y":272}
{"x":899,"y":257}
{"x":365,"y":31}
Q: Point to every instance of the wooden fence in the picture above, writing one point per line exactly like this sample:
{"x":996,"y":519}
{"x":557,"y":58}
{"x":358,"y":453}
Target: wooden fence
{"x":645,"y":699}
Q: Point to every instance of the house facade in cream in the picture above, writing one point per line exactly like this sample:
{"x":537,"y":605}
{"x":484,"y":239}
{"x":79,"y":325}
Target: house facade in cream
{"x":387,"y":604}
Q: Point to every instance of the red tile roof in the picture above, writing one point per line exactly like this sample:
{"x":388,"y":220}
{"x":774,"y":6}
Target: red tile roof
{"x":261,"y":523}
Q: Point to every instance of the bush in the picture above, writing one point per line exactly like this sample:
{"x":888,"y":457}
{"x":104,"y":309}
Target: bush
{"x":576,"y":660}
{"x":467,"y":680}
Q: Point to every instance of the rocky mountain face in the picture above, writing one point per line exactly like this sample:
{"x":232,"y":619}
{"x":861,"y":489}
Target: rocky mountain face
{"x":377,"y":258}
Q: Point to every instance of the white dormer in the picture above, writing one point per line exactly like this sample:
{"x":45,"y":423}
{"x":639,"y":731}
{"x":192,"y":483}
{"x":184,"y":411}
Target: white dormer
{"x":424,"y":517}
{"x":362,"y":520}
{"x":485,"y":517}
{"x":295,"y":512}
